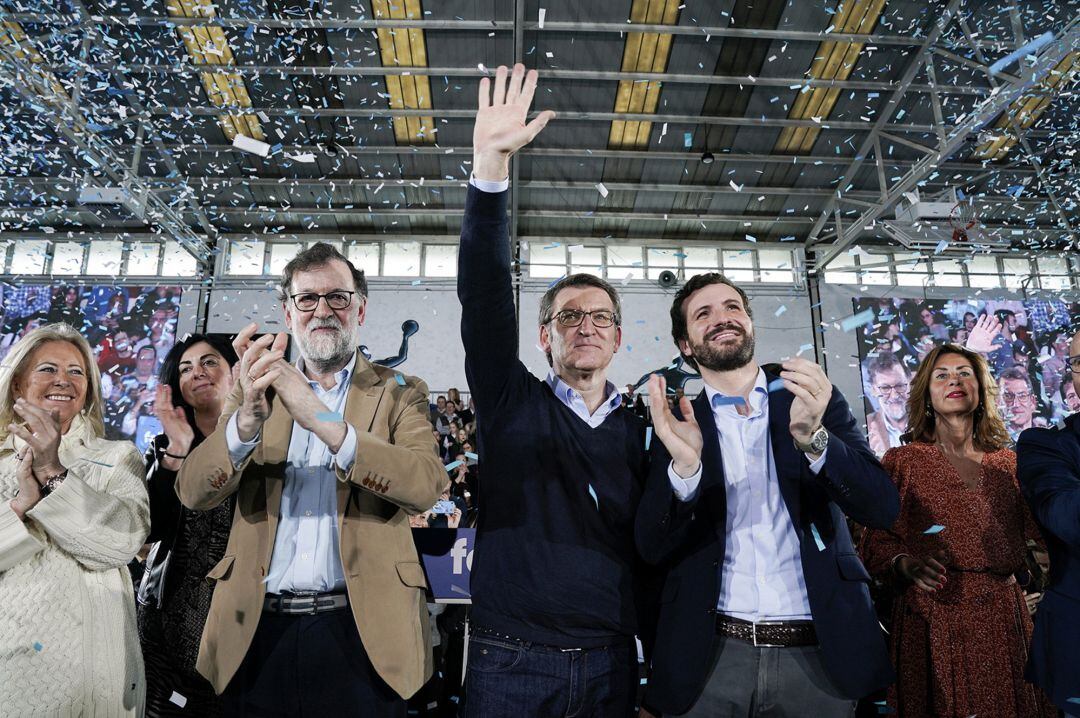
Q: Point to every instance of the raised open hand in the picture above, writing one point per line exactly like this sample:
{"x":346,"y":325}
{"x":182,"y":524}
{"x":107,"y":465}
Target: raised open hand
{"x":500,"y":128}
{"x":683,"y":438}
{"x":981,"y":337}
{"x":42,"y":432}
{"x":173,"y":421}
{"x":258,"y":370}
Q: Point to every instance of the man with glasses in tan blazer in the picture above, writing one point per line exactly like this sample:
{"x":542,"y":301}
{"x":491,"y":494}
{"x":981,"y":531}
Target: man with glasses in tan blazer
{"x":319,"y":602}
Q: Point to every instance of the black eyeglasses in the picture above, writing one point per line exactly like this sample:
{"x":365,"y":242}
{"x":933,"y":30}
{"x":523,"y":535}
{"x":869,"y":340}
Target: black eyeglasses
{"x":1072,"y":364}
{"x":308,"y":301}
{"x":602,"y":318}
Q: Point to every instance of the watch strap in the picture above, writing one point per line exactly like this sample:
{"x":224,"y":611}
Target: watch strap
{"x":810,"y":448}
{"x":52,"y":483}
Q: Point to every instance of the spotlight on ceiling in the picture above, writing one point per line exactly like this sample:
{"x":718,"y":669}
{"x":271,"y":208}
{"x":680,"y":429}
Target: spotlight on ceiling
{"x":707,"y":158}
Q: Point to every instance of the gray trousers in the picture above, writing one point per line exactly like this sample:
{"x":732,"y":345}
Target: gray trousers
{"x":748,"y":682}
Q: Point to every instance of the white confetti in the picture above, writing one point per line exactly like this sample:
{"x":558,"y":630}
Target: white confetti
{"x":255,"y":147}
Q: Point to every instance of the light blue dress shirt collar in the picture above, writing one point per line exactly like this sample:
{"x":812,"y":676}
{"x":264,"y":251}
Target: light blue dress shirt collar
{"x":574,"y":401}
{"x":759,"y":397}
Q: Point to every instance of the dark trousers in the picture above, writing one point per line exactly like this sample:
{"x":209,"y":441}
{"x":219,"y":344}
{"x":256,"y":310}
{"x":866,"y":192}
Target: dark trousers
{"x":748,"y":681}
{"x":303,"y":665}
{"x":508,"y":678}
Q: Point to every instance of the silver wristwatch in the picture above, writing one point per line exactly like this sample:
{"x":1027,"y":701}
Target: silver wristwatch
{"x":818,"y":441}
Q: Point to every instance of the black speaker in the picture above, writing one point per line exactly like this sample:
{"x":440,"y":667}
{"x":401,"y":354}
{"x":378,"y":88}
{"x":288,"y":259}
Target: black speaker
{"x":668,"y":279}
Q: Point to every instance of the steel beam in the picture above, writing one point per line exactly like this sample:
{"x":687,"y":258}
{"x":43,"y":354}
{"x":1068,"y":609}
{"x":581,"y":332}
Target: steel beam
{"x":882,"y":121}
{"x":564,"y":116}
{"x":35,"y":87}
{"x":486,"y":26}
{"x":330,"y":184}
{"x":579,"y":153}
{"x":1030,"y":155}
{"x":348,"y":70}
{"x":982,"y":114}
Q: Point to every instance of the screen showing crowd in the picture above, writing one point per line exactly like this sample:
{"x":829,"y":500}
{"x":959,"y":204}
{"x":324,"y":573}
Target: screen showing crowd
{"x":1027,"y":358}
{"x":131,"y":329}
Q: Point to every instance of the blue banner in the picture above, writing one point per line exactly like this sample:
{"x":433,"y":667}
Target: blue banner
{"x":446,"y":555}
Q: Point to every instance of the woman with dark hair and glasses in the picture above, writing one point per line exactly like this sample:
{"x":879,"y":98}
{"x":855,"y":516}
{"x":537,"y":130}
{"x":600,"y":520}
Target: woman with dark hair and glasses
{"x":961,"y":627}
{"x":174,"y":596}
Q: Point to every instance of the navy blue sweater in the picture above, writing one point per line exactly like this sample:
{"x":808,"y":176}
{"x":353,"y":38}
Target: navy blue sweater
{"x":552,"y":565}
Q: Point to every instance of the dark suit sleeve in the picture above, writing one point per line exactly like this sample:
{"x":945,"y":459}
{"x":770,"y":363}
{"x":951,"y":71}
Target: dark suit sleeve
{"x":852,"y":475}
{"x":161,"y":488}
{"x":489,"y":329}
{"x":662,"y":520}
{"x":1051,"y":483}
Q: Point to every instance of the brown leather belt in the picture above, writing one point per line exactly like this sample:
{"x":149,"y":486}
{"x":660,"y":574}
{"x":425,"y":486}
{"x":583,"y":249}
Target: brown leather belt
{"x":781,"y":634}
{"x":305,"y":603}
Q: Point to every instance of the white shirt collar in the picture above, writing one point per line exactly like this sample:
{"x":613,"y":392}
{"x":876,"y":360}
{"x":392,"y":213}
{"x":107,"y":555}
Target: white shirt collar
{"x":343,"y":376}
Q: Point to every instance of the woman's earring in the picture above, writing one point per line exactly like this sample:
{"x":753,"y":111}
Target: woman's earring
{"x":930,"y":412}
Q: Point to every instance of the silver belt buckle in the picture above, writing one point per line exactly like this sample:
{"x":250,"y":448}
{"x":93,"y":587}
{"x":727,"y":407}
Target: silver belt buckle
{"x":753,"y":634}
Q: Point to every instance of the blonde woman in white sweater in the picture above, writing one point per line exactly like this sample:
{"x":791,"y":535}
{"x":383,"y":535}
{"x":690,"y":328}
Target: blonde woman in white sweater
{"x":73,"y":512}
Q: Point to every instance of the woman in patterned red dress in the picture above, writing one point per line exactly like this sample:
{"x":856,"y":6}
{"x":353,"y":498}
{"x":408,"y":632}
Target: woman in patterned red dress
{"x":961,"y":628}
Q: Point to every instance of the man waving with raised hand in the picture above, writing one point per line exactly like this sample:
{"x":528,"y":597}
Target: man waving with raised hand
{"x":555,"y":577}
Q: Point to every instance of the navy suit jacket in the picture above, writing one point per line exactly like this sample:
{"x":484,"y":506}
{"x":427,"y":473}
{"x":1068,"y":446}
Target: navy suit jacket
{"x":1048,"y":467}
{"x":688,"y":538}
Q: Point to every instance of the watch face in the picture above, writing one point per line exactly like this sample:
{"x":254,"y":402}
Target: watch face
{"x":819,"y":440}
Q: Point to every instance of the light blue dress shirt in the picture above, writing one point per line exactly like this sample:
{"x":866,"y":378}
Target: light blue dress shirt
{"x":570,"y":396}
{"x":306,"y":553}
{"x":761,"y":578}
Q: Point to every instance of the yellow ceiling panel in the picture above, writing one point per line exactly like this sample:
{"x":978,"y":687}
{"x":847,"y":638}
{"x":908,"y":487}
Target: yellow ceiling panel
{"x":1026,"y":111}
{"x":209,"y":46}
{"x":11,"y":33}
{"x":405,"y":47}
{"x":643,"y":52}
{"x":834,"y":60}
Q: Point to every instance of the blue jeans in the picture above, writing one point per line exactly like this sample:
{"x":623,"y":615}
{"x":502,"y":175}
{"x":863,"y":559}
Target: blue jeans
{"x":512,"y":678}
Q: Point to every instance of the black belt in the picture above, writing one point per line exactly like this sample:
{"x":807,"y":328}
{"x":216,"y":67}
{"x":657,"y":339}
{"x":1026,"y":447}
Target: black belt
{"x":482,"y":632}
{"x":782,"y":634}
{"x":305,"y":603}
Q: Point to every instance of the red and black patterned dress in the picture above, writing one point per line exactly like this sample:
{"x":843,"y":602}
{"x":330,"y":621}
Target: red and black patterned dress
{"x":959,"y":651}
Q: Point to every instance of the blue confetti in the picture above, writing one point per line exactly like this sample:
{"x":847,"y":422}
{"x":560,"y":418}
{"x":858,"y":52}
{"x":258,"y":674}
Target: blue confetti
{"x":1028,"y":49}
{"x":776,"y":385}
{"x":817,"y":538}
{"x":935,"y":529}
{"x":688,"y":139}
{"x":1073,"y":700}
{"x":863,"y":317}
{"x":38,"y":647}
{"x":721,"y":400}
{"x":471,"y":455}
{"x":592,"y":493}
{"x":648,"y":437}
{"x":941,"y":246}
{"x":452,"y":465}
{"x":804,"y":348}
{"x":329,"y":416}
{"x":400,"y":379}
{"x":781,"y":310}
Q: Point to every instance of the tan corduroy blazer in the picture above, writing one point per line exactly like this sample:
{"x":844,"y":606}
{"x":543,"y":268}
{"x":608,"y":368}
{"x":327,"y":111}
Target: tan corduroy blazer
{"x":397,"y":472}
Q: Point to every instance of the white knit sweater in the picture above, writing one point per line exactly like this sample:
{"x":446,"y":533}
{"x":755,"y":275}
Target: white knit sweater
{"x":69,"y":645}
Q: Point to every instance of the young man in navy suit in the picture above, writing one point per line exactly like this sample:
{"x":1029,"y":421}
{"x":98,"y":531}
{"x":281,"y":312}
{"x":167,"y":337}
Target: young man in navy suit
{"x":765,"y":603}
{"x":1048,"y":466}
